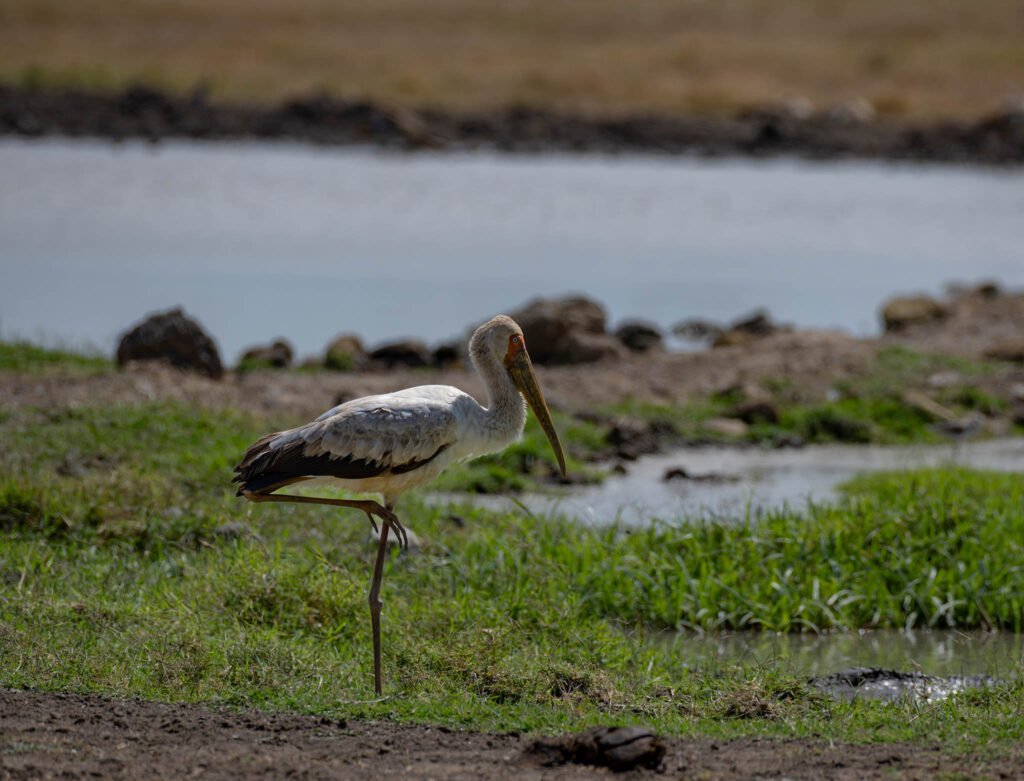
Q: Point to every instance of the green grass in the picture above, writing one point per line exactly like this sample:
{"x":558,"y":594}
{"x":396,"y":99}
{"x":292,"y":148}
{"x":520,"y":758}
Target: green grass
{"x":128,"y":567}
{"x":25,"y":357}
{"x":869,"y":408}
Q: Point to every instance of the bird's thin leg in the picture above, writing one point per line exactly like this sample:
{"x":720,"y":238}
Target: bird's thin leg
{"x":369,"y":507}
{"x":375,"y":605}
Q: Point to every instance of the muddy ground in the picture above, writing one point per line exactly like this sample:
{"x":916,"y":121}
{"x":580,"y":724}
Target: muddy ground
{"x":144,"y":112}
{"x":70,"y":736}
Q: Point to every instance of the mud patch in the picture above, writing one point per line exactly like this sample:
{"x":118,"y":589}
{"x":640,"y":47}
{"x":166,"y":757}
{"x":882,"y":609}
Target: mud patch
{"x":76,"y":737}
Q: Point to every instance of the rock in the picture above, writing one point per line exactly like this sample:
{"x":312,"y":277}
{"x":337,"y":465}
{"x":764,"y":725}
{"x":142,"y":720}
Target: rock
{"x":726,"y":427}
{"x":410,"y":353}
{"x":902,"y":312}
{"x":345,"y":353}
{"x":174,"y":337}
{"x":566,"y":331}
{"x":617,"y":748}
{"x":634,"y":438}
{"x":990,"y":289}
{"x":675,"y":473}
{"x":279,"y":355}
{"x":756,"y":411}
{"x":639,"y":336}
{"x":448,"y":355}
{"x":757,"y":325}
{"x":1011,"y":350}
{"x":678,"y":473}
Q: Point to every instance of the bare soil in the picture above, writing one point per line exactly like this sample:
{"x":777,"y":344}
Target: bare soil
{"x":71,"y":736}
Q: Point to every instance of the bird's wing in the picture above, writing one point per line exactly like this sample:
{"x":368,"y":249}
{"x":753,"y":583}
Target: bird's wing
{"x":374,"y":435}
{"x":391,"y":430}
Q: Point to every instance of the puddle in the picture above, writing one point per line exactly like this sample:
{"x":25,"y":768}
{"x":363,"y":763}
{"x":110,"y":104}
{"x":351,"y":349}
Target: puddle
{"x":755,"y":480}
{"x":880,"y":664}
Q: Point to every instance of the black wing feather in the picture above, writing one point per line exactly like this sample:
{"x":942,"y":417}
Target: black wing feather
{"x":264,"y":470}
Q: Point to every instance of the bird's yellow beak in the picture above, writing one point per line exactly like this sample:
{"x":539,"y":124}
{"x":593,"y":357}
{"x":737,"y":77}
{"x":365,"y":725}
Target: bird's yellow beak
{"x":521,"y":370}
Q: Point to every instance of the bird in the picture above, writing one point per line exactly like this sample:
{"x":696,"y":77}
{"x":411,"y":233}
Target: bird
{"x":390,"y":443}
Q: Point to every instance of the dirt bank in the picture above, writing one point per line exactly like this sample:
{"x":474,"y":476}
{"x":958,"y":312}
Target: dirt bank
{"x":71,"y":737}
{"x":142,"y":112}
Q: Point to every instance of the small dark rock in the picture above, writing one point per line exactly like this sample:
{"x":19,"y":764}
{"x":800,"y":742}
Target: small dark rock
{"x":567,"y":330}
{"x":756,"y":411}
{"x":632,"y":438}
{"x":278,"y":355}
{"x":639,"y":336}
{"x":410,"y":353}
{"x":678,"y":473}
{"x":174,"y":337}
{"x":902,"y":312}
{"x":757,"y":325}
{"x":1012,"y":351}
{"x":617,"y":748}
{"x":345,"y":353}
{"x":447,"y":355}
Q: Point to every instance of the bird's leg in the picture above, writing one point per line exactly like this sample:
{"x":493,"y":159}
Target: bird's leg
{"x":369,"y":507}
{"x":389,"y":521}
{"x":375,"y":605}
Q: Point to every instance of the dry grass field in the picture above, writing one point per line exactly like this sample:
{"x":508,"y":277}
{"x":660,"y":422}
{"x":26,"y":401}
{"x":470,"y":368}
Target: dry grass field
{"x":913,"y":58}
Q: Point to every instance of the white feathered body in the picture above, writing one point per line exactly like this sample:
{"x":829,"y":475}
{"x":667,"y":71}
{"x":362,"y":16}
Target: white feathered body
{"x":431,"y":425}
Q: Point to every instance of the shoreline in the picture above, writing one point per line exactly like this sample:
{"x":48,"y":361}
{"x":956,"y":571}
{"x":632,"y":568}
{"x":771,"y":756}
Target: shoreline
{"x":143,"y":112}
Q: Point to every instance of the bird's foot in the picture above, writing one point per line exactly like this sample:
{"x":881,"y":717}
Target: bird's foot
{"x":392,"y":522}
{"x":403,"y":536}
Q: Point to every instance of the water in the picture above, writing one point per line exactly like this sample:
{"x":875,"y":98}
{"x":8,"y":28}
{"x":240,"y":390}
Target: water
{"x":943,"y":653}
{"x":752,"y":480}
{"x":875,"y":664}
{"x":261,"y":240}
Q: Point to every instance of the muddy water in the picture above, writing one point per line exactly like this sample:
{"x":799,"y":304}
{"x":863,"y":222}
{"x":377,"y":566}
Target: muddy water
{"x":738,"y":482}
{"x":882,"y":664}
{"x":266,"y":240}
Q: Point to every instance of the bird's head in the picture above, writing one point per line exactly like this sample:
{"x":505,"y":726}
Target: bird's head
{"x":500,"y":342}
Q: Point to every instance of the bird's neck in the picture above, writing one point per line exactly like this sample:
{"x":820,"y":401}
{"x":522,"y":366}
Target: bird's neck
{"x":505,"y":414}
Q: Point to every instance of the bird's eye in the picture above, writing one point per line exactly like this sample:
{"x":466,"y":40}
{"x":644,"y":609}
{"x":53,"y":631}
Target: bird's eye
{"x":515,"y":340}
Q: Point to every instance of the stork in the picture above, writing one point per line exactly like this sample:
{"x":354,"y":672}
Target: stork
{"x":389,"y":443}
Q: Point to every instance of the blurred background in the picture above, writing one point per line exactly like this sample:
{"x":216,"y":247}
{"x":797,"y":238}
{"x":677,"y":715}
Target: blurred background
{"x":673,"y":159}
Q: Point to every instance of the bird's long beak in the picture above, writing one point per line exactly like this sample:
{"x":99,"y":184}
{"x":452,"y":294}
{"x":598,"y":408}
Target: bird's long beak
{"x":521,"y":370}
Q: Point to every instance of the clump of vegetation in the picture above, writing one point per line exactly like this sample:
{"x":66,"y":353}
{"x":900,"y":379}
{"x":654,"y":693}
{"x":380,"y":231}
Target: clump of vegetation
{"x":26,"y":357}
